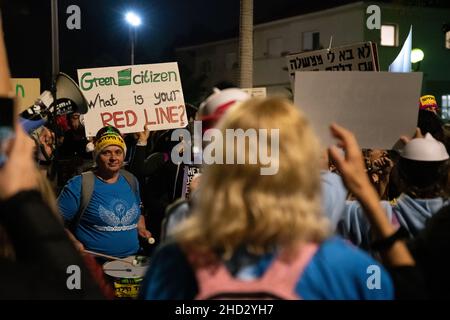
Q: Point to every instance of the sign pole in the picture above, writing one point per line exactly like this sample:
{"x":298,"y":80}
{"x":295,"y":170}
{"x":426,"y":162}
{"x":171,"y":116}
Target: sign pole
{"x":55,"y":71}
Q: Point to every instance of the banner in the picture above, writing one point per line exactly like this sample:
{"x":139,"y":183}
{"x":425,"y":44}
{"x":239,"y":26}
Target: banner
{"x":27,"y":91}
{"x":189,"y":172}
{"x":378,"y":107}
{"x":356,"y":57}
{"x":256,"y":92}
{"x":131,"y":97}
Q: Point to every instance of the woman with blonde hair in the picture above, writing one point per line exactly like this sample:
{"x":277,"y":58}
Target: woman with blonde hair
{"x":48,"y":196}
{"x":261,"y":235}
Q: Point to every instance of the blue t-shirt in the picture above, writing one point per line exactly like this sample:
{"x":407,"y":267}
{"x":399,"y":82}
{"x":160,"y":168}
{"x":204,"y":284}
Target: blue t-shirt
{"x":351,"y":222}
{"x":338,"y":271}
{"x":109,"y":224}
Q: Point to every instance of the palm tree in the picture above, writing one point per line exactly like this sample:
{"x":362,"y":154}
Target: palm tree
{"x":246,"y":44}
{"x":5,"y":82}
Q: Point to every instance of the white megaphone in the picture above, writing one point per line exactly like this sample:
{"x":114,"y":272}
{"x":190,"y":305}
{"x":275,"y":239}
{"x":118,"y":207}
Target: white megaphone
{"x":69,"y":99}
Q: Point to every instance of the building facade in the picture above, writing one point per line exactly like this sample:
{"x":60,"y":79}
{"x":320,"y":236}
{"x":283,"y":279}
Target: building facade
{"x":218,"y":61}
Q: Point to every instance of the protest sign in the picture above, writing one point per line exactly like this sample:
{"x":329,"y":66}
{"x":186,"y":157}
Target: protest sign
{"x":27,"y":91}
{"x":356,"y":57}
{"x":378,"y":107}
{"x":189,"y":172}
{"x":131,"y":97}
{"x":256,"y":92}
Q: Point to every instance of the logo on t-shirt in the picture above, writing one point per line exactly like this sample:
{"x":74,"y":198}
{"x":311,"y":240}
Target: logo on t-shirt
{"x":119,"y":218}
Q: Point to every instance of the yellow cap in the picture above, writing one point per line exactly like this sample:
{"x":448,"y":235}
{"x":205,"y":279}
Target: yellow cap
{"x":109,"y":139}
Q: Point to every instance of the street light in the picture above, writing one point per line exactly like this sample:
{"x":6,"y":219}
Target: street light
{"x":134,"y":21}
{"x":417,"y":56}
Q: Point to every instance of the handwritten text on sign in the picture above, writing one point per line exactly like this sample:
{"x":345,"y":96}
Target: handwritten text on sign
{"x":27,"y":91}
{"x":357,"y":57}
{"x":189,"y":173}
{"x":256,"y":92}
{"x":130,"y":97}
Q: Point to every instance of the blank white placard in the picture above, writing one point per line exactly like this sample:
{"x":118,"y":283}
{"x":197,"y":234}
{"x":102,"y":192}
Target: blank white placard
{"x":378,"y":107}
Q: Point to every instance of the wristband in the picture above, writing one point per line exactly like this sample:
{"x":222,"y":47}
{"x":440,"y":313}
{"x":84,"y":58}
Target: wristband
{"x":386,"y":243}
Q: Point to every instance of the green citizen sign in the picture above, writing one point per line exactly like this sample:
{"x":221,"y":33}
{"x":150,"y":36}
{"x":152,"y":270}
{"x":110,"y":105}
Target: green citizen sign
{"x":125,"y":78}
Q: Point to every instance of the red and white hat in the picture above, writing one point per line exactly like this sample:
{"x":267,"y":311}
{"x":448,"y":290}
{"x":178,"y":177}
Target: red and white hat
{"x":213,"y":108}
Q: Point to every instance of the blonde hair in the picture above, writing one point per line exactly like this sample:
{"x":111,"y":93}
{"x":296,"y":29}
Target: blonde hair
{"x":239,"y":206}
{"x":48,"y":195}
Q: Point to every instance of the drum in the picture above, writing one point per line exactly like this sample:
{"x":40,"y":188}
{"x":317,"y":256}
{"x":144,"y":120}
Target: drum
{"x":127,"y":277}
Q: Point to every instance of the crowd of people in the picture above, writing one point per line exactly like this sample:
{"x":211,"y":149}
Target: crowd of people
{"x":342,"y":223}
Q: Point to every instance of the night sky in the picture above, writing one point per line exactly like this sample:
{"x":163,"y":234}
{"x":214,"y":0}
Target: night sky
{"x":104,"y":36}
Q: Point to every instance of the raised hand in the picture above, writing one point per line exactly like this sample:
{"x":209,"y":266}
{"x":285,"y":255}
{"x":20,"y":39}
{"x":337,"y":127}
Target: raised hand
{"x":19,"y":173}
{"x":143,"y":136}
{"x":351,"y":166}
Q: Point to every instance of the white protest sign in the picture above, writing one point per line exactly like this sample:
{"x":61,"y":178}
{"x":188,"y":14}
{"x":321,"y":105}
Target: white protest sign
{"x":256,"y":92}
{"x":27,"y":90}
{"x":189,"y":173}
{"x":356,"y":57}
{"x":378,"y":107}
{"x":129,"y":97}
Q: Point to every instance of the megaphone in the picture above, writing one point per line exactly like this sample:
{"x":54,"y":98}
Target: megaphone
{"x":69,"y":99}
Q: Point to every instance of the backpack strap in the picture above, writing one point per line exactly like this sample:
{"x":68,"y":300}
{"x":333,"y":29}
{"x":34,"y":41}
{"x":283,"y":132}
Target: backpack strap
{"x":279,"y":281}
{"x":286,"y":270}
{"x":130,"y":179}
{"x":87,"y":188}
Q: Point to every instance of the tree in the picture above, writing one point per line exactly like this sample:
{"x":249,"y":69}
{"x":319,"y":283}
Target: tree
{"x":246,"y":44}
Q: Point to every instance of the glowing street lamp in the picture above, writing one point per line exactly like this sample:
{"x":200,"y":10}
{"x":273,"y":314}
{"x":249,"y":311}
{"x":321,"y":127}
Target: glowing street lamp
{"x":134,"y":21}
{"x":417,"y":55}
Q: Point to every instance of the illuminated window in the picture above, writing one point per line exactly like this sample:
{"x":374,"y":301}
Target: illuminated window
{"x":389,"y":35}
{"x":447,"y":39}
{"x":445,"y":107}
{"x":446,"y":101}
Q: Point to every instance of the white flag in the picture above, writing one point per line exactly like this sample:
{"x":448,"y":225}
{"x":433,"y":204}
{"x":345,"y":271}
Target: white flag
{"x":403,"y":61}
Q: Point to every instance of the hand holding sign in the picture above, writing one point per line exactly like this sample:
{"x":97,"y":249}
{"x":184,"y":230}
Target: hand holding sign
{"x":143,"y":136}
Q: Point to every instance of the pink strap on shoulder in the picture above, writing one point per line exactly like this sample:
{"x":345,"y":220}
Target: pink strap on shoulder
{"x":286,"y":273}
{"x":280,"y":279}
